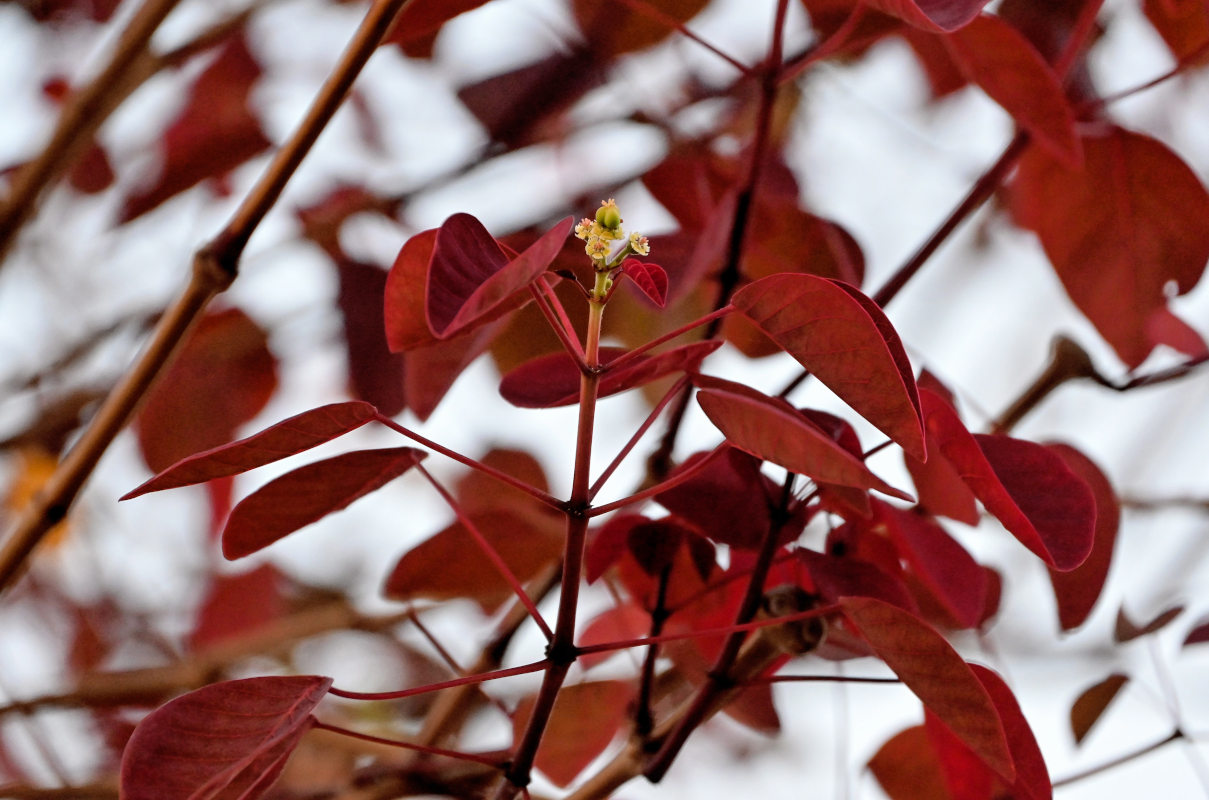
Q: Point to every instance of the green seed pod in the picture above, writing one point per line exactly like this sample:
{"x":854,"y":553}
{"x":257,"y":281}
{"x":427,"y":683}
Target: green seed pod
{"x":608,"y":216}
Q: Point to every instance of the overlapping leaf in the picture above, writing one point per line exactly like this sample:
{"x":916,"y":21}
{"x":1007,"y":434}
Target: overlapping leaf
{"x":845,"y":341}
{"x":771,"y":429}
{"x":649,"y":278}
{"x":309,"y":494}
{"x":906,"y":767}
{"x":1040,"y":501}
{"x":1184,"y":26}
{"x":226,"y":740}
{"x":928,"y":665}
{"x":553,"y":380}
{"x":1121,"y":233}
{"x":1010,"y":70}
{"x":286,"y":438}
{"x":932,"y":15}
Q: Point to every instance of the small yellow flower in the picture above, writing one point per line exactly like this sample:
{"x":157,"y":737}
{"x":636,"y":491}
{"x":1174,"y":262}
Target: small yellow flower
{"x":584,"y":229}
{"x":640,"y":244}
{"x":598,"y":247}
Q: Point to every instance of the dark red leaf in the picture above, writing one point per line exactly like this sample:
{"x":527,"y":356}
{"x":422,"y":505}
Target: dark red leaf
{"x":1091,"y":704}
{"x":728,"y":499}
{"x":226,"y":740}
{"x":950,"y":573}
{"x":1078,"y":590}
{"x":92,"y":173}
{"x":940,"y":487}
{"x":932,"y":15}
{"x":944,"y":76}
{"x":375,"y":374}
{"x":1123,"y":233}
{"x":286,"y":438}
{"x":964,"y":773}
{"x":650,"y":278}
{"x":1039,"y":500}
{"x":213,"y":135}
{"x":451,"y":565}
{"x":585,"y":719}
{"x":1183,"y":24}
{"x":834,"y":577}
{"x":309,"y":494}
{"x":938,"y":676}
{"x":613,"y":28}
{"x":617,"y":624}
{"x":1126,"y":630}
{"x":754,"y":707}
{"x":1032,"y":777}
{"x":422,"y":19}
{"x":771,"y":429}
{"x":432,"y":370}
{"x":470,"y":275}
{"x":907,"y":768}
{"x":845,"y":341}
{"x":235,"y":605}
{"x":553,"y":380}
{"x":1199,"y":634}
{"x":1009,"y":69}
{"x":405,"y":318}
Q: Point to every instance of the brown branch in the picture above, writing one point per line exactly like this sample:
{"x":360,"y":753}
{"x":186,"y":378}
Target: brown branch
{"x":1067,"y":361}
{"x":1175,"y":735}
{"x":215,"y":266}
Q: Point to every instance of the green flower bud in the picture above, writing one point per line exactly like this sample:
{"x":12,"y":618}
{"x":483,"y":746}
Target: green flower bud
{"x":608,"y":216}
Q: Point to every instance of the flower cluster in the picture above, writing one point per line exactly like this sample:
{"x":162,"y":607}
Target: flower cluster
{"x":601,"y":232}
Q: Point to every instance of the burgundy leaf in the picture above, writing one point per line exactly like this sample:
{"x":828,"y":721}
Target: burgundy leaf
{"x":405,"y":318}
{"x":938,"y":676}
{"x":1032,"y":777}
{"x":906,"y":767}
{"x":834,"y":577}
{"x":616,"y":624}
{"x":1126,"y":630}
{"x":213,"y":134}
{"x":650,"y":278}
{"x":1091,"y":704}
{"x":1198,"y":634}
{"x":470,"y":274}
{"x":932,"y":15}
{"x":1078,"y":590}
{"x":1040,"y":501}
{"x":375,"y":374}
{"x":739,"y":496}
{"x":585,"y":719}
{"x":309,"y":494}
{"x":226,"y":740}
{"x":553,"y":380}
{"x":422,"y":19}
{"x":235,"y":605}
{"x":771,"y":429}
{"x":845,"y":341}
{"x":1183,"y":24}
{"x":432,"y":369}
{"x":286,"y":438}
{"x":1123,"y":234}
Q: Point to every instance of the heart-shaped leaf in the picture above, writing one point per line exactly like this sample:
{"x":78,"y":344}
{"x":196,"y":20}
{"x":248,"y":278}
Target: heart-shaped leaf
{"x":771,"y":429}
{"x":470,"y":273}
{"x":553,"y":380}
{"x":650,"y":278}
{"x":938,"y":676}
{"x":1009,"y":69}
{"x":286,"y":438}
{"x":226,"y":740}
{"x":309,"y":494}
{"x":846,"y":342}
{"x":1026,"y":486}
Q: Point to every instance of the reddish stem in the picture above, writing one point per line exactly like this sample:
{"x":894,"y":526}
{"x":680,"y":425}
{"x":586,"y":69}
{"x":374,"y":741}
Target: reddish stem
{"x":646,"y":424}
{"x":648,"y":10}
{"x":677,"y":479}
{"x":569,"y":343}
{"x":491,"y":761}
{"x":482,"y":677}
{"x":667,"y":337}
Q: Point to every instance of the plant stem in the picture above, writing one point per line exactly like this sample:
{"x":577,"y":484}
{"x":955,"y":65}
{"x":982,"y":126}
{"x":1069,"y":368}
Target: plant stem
{"x":629,"y":445}
{"x":482,"y":677}
{"x":1175,"y":735}
{"x":420,"y":748}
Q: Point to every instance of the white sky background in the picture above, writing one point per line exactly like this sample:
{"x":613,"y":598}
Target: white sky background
{"x":869,"y":153}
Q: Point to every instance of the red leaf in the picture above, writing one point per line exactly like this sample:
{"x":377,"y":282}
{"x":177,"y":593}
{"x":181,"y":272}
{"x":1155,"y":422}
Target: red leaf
{"x":1091,"y":704}
{"x":845,"y":341}
{"x":213,"y":135}
{"x":615,"y":28}
{"x":938,"y":676}
{"x":964,"y":773}
{"x":404,"y":294}
{"x":1199,"y":634}
{"x":753,"y":706}
{"x":650,"y":278}
{"x":943,"y":565}
{"x":375,"y":374}
{"x":286,"y":438}
{"x":470,"y":275}
{"x":553,"y":380}
{"x":1032,"y":777}
{"x":432,"y":370}
{"x":1009,"y":69}
{"x":1120,"y":233}
{"x":617,"y":624}
{"x":93,"y":173}
{"x":738,"y":494}
{"x":1039,"y":500}
{"x":226,"y":740}
{"x":1183,"y":24}
{"x":422,"y":19}
{"x":834,"y":577}
{"x":309,"y":494}
{"x":1126,"y":630}
{"x":238,"y":604}
{"x":932,"y":15}
{"x":1078,"y":590}
{"x":771,"y":429}
{"x":585,"y":719}
{"x":907,"y":768}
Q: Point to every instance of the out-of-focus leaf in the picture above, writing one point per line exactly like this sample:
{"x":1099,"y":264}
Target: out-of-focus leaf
{"x":1184,"y":26}
{"x":1032,"y":776}
{"x":932,"y":15}
{"x":213,"y":134}
{"x":1078,"y":590}
{"x":553,"y":380}
{"x":1009,"y":69}
{"x":432,"y":370}
{"x":834,"y":577}
{"x":375,"y":374}
{"x":617,"y":624}
{"x":1031,"y":491}
{"x":288,"y":437}
{"x":613,"y":28}
{"x":771,"y":429}
{"x":846,"y":342}
{"x":728,"y":499}
{"x":1125,"y":629}
{"x":238,"y":604}
{"x":419,"y":21}
{"x":1198,"y":634}
{"x":1122,"y":233}
{"x":938,"y":676}
{"x":906,"y":767}
{"x":1091,"y":704}
{"x":226,"y":740}
{"x":585,"y":719}
{"x":310,"y":493}
{"x":944,"y":76}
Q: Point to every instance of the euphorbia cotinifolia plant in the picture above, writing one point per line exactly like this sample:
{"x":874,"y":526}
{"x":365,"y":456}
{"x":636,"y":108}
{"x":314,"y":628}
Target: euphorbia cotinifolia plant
{"x":712,"y":637}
